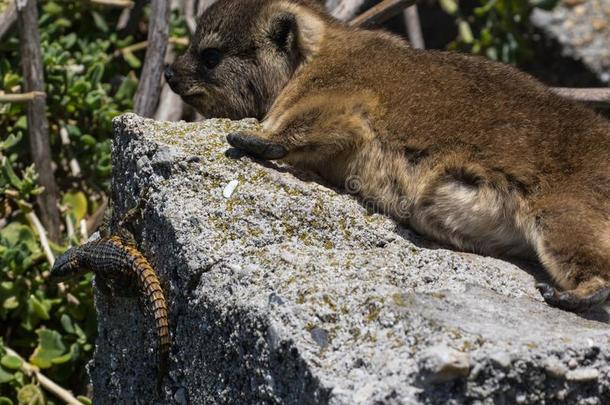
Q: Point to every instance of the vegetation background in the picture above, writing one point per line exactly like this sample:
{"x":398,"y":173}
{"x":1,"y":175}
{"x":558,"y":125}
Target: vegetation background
{"x":91,"y":73}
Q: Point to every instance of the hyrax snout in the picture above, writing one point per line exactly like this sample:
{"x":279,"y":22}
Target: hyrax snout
{"x":473,"y":153}
{"x":236,"y":65}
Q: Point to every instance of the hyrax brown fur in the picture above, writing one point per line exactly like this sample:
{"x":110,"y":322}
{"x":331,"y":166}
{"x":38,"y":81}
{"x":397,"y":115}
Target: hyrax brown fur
{"x":467,"y":151}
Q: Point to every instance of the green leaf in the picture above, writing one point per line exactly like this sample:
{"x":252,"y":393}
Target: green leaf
{"x":41,"y":310}
{"x":77,"y":201}
{"x":67,"y":324}
{"x":10,"y":174}
{"x":99,"y":21}
{"x":10,"y":80}
{"x":80,"y":333}
{"x":50,"y":347}
{"x":22,"y":122}
{"x":88,"y":140}
{"x":16,"y":233}
{"x":52,"y":8}
{"x":465,"y":32}
{"x":69,"y":40}
{"x":63,"y":22}
{"x":80,"y":87}
{"x":96,"y":73}
{"x":73,"y":130}
{"x":5,"y":376}
{"x":82,"y":399}
{"x":132,"y":60}
{"x":30,"y":394}
{"x":127,"y":89}
{"x":11,"y":362}
{"x":10,"y":303}
{"x":5,"y":400}
{"x":7,"y":285}
{"x":450,"y":6}
{"x":10,"y":141}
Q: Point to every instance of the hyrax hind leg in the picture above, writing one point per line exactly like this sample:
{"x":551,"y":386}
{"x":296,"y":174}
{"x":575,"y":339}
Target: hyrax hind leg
{"x":573,"y":243}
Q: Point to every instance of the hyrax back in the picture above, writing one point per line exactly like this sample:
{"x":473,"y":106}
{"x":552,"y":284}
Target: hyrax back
{"x":467,"y":151}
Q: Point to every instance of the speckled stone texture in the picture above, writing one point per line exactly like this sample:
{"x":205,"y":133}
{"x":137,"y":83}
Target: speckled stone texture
{"x":288,"y":292}
{"x":582,"y":27}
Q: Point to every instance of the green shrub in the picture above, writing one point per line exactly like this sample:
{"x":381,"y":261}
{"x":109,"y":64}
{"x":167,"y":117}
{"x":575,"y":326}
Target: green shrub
{"x":88,"y":82}
{"x":498,"y":29}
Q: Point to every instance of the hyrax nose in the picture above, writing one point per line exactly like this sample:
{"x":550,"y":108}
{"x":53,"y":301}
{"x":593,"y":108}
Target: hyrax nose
{"x":169,"y":73}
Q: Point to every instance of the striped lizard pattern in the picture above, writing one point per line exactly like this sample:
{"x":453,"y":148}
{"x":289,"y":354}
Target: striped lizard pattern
{"x":115,"y":259}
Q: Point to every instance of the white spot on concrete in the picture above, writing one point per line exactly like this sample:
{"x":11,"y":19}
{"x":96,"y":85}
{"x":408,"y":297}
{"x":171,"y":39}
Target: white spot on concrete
{"x":230,"y":189}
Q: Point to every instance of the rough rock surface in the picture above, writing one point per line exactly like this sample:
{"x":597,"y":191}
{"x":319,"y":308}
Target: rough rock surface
{"x":282,"y":290}
{"x":582,"y":27}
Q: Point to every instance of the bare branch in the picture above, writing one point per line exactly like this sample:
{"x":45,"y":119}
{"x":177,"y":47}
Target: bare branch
{"x":8,"y":18}
{"x":130,"y":17}
{"x":45,"y":381}
{"x":42,"y":236}
{"x":21,"y":97}
{"x":380,"y":13}
{"x":95,"y":220}
{"x":595,"y":96}
{"x":149,"y":88}
{"x":114,"y":3}
{"x":144,"y":44}
{"x":416,"y":37}
{"x":73,"y":163}
{"x":38,"y":125}
{"x":344,"y":10}
{"x":170,"y":105}
{"x":189,"y":15}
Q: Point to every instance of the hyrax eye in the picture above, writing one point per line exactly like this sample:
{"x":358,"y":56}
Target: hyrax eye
{"x":211,"y":57}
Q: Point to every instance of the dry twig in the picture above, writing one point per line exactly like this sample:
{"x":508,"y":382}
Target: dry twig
{"x":8,"y":18}
{"x":416,"y":37}
{"x":380,"y":13}
{"x":114,"y":3}
{"x":42,"y":236}
{"x":144,"y":44}
{"x":597,"y":97}
{"x":45,"y":381}
{"x":38,"y":125}
{"x":22,"y":97}
{"x":149,"y":88}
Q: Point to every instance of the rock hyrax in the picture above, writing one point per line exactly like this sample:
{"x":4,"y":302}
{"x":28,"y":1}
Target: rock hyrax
{"x":467,"y":151}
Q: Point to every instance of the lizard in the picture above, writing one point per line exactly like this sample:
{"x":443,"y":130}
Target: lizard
{"x":118,"y":264}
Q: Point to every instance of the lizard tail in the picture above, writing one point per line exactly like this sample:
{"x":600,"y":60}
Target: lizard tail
{"x":155,"y":303}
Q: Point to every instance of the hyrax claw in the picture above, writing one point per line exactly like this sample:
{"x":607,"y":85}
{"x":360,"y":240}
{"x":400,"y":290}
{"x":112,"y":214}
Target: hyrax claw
{"x":257,"y":147}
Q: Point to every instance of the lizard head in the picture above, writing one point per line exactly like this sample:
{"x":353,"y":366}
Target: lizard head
{"x":67,"y":266}
{"x":243,"y":54}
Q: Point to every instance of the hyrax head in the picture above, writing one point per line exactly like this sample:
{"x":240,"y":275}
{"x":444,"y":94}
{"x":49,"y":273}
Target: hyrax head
{"x":243,"y":53}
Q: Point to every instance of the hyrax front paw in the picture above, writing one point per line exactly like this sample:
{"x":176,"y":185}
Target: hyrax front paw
{"x":571,"y":300}
{"x":256,"y":146}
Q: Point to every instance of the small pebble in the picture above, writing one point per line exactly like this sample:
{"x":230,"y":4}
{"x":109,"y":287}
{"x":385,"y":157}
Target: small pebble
{"x":555,"y":368}
{"x":446,"y":364}
{"x":582,"y":374}
{"x":180,"y":396}
{"x":230,"y":189}
{"x":502,"y":359}
{"x":275,"y":299}
{"x":320,"y":336}
{"x":573,"y":364}
{"x":521,"y":399}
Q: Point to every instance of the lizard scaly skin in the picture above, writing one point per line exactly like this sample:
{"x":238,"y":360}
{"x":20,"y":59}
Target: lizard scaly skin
{"x":113,"y":258}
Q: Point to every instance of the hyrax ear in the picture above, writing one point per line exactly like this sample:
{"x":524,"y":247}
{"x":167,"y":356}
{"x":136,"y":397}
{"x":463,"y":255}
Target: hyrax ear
{"x":283,"y":31}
